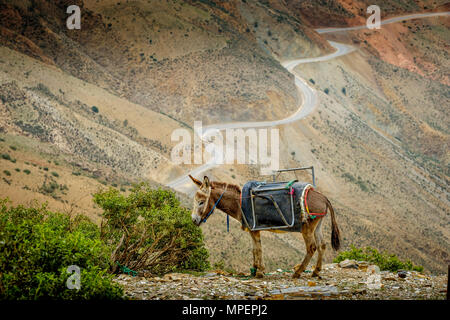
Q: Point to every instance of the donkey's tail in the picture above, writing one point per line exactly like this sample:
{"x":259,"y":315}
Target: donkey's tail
{"x":335,"y":234}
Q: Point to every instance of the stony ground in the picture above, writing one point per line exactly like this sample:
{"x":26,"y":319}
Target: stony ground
{"x":355,"y":281}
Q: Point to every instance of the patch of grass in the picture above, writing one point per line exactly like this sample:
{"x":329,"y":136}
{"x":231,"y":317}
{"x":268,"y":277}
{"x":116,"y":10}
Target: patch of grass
{"x":384,"y":260}
{"x":13,"y":148}
{"x":44,"y":89}
{"x":6,"y":172}
{"x":358,"y":181}
{"x":55,"y":174}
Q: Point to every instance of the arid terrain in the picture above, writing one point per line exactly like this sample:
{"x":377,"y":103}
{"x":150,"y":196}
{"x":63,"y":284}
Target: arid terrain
{"x":335,"y":283}
{"x":86,"y":109}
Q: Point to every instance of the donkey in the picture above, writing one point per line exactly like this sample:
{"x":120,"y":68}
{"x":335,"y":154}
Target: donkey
{"x":224,"y":196}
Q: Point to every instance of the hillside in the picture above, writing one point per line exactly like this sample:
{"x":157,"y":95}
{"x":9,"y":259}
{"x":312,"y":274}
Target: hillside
{"x":92,"y":108}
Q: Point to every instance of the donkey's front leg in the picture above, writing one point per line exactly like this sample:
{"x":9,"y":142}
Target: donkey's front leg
{"x":257,"y":254}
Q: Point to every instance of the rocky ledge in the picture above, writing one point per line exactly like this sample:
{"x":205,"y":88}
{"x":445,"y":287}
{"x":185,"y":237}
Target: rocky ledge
{"x":347,"y":280}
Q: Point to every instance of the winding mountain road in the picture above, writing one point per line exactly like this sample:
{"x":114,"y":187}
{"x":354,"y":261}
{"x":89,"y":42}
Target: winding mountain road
{"x":309,"y":95}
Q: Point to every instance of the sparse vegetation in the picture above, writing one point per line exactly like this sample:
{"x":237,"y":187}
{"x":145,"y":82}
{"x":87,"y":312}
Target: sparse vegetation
{"x":384,"y":260}
{"x":150,"y":230}
{"x":37,"y":248}
{"x":94,"y":109}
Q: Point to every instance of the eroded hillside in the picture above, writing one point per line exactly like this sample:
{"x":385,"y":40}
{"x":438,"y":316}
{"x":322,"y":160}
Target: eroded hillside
{"x":84,"y":109}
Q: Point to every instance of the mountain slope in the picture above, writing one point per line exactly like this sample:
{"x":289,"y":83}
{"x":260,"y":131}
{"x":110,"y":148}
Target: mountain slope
{"x":103,"y":101}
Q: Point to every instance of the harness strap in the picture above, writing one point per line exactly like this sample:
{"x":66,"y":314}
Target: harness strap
{"x":215,"y":204}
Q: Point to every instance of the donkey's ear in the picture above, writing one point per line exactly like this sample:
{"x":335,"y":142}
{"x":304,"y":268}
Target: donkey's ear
{"x":197,"y":182}
{"x":206,"y":182}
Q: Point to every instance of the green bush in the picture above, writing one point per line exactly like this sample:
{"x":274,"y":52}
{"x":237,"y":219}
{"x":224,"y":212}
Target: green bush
{"x":27,"y":171}
{"x":160,"y":236}
{"x":7,"y":172}
{"x":94,"y":109}
{"x":36,"y":248}
{"x":384,"y":260}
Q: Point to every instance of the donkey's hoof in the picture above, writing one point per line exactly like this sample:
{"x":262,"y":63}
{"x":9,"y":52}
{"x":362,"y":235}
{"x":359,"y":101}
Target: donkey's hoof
{"x":296,"y":275}
{"x":259,"y":274}
{"x":316,"y":275}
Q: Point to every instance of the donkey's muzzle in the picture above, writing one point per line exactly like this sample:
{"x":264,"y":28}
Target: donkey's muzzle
{"x":196,"y":219}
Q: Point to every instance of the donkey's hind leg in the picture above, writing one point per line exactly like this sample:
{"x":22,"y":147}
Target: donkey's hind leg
{"x":310,"y":249}
{"x":321,"y":246}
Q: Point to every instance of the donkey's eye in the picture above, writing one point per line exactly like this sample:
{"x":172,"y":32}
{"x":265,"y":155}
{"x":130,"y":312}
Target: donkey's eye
{"x":200,"y":203}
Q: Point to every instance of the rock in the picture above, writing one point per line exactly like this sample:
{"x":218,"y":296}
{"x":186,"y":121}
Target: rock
{"x":210,"y":274}
{"x":361,"y":291}
{"x":402,"y":274}
{"x":373,"y":269}
{"x":348,"y":264}
{"x":363,"y":265}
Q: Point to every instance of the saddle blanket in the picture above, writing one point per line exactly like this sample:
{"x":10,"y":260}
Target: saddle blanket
{"x":273,"y":205}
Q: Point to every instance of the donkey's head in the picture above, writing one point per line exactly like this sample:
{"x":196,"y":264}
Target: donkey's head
{"x":203,"y":203}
